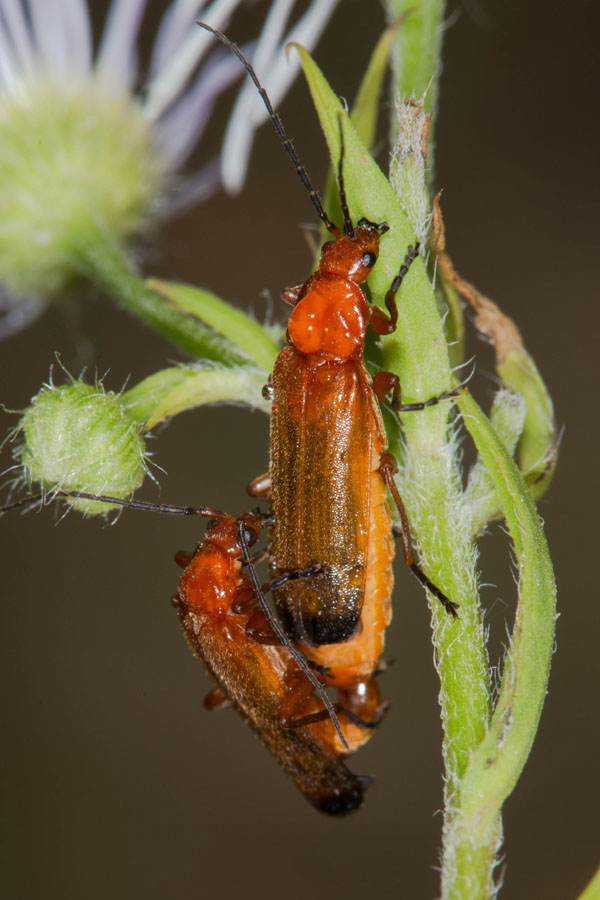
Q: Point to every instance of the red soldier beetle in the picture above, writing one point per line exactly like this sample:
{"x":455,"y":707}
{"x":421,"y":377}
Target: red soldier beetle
{"x":230,"y":628}
{"x":329,"y":464}
{"x":255,"y":671}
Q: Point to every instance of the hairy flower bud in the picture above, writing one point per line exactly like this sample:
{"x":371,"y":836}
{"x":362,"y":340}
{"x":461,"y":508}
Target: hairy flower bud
{"x":79,"y":437}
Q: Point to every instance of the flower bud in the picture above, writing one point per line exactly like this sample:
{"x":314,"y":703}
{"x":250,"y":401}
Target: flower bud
{"x":79,"y":437}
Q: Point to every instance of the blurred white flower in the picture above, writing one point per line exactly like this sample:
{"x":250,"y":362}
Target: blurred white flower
{"x":83,"y":150}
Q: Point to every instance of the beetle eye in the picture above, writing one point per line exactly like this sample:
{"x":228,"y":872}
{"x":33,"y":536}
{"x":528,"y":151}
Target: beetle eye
{"x":250,"y":535}
{"x":327,"y":244}
{"x":369,"y":259}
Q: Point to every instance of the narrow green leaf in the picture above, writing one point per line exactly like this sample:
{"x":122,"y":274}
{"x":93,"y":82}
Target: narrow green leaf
{"x":237,"y":326}
{"x":366,"y":106}
{"x":538,"y":446}
{"x":364,"y":111}
{"x":506,"y":417}
{"x":497,"y":763}
{"x":455,"y":322}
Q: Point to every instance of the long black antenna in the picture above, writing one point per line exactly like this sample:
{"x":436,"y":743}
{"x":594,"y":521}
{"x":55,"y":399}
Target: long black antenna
{"x":348,"y":226}
{"x":285,"y":640}
{"x":278,"y":126}
{"x":206,"y":512}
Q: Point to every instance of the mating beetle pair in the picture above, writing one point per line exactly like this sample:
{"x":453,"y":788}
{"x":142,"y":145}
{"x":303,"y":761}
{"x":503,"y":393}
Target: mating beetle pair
{"x":330,"y":543}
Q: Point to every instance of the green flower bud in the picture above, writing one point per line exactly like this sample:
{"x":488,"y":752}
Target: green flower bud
{"x":79,"y":437}
{"x":73,"y":163}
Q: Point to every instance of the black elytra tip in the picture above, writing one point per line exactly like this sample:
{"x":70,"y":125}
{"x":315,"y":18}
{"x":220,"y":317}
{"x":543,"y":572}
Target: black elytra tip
{"x":343,"y":801}
{"x":319,"y":630}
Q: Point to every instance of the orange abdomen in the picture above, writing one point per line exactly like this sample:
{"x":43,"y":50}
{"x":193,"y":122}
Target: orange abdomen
{"x":354,"y":661}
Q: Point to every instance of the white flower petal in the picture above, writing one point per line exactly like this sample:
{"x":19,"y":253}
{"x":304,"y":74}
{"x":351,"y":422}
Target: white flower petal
{"x":179,"y":129}
{"x":20,"y":316}
{"x":18,"y":34}
{"x":307,"y":32}
{"x":249,"y":111}
{"x":195,"y":189}
{"x":173,"y":29}
{"x":9,"y":67}
{"x":79,"y":36}
{"x":270,"y":37}
{"x":117,"y":57}
{"x":171,"y":81}
{"x":49,"y":35}
{"x":239,"y":135}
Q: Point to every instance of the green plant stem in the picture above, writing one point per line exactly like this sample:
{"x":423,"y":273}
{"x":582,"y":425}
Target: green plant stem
{"x":416,"y":55}
{"x":429,"y":477}
{"x":105,"y":264}
{"x":171,"y":391}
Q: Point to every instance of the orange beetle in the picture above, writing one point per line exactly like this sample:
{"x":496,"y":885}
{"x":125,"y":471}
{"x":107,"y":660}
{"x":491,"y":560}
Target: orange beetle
{"x":255,"y":672}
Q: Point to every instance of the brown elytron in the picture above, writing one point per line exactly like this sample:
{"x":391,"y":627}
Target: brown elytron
{"x":327,"y":438}
{"x":216,"y":605}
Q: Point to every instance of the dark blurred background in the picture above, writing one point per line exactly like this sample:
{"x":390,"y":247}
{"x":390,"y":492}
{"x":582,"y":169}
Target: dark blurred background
{"x":115,"y":781}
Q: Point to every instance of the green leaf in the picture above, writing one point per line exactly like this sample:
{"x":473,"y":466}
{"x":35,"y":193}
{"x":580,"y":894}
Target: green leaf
{"x":364,"y":112}
{"x":238,"y":327}
{"x":497,"y":763}
{"x":538,"y":446}
{"x":366,"y":106}
{"x":455,"y":321}
{"x":506,"y":417}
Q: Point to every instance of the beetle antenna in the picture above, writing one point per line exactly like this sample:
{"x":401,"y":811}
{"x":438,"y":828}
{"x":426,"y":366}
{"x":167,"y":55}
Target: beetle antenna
{"x":205,"y":511}
{"x":348,"y":226}
{"x":278,"y":126}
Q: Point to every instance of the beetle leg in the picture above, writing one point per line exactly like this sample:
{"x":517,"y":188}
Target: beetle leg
{"x":310,"y":572}
{"x":183,"y":558}
{"x":388,"y":466}
{"x":216,"y":699}
{"x":386,"y":324}
{"x":433,"y":401}
{"x":297,"y":700}
{"x":260,"y":487}
{"x":383,"y":383}
{"x":243,"y":600}
{"x":291,"y":294}
{"x":361,"y":704}
{"x":260,"y":630}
